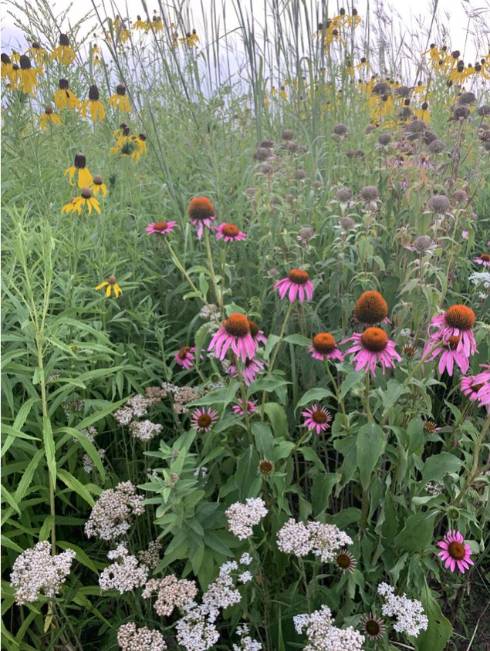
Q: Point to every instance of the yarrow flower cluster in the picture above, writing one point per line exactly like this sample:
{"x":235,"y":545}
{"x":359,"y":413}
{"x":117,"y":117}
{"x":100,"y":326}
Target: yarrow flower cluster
{"x":150,"y":556}
{"x":323,"y":540}
{"x":125,"y":574}
{"x":243,"y":516}
{"x":322,"y":635}
{"x":114,"y":512}
{"x":171,"y":593}
{"x":247,"y":643}
{"x":36,"y":573}
{"x":197,"y":631}
{"x":133,"y":638}
{"x":408,"y":613}
{"x":145,"y":430}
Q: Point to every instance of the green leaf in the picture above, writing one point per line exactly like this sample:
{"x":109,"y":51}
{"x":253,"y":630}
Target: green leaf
{"x":264,"y":441}
{"x":370,"y":444}
{"x":27,"y":477}
{"x":439,"y":465}
{"x":313,"y":395}
{"x":417,"y":533}
{"x":75,"y":485}
{"x":299,"y":340}
{"x":437,"y":635}
{"x":278,"y":419}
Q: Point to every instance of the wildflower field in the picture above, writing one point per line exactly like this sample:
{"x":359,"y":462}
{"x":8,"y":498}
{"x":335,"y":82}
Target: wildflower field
{"x":246,"y":370}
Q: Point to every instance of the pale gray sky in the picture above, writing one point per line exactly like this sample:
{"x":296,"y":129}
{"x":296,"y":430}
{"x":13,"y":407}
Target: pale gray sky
{"x":458,"y":16}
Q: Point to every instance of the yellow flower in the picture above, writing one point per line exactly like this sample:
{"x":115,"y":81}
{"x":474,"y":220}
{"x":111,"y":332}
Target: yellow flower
{"x":139,"y":146}
{"x":38,"y":53}
{"x":95,"y":54}
{"x":48,"y":117}
{"x":63,"y":53}
{"x":7,"y":67}
{"x":99,"y":187}
{"x":64,"y":98}
{"x":93,"y":105}
{"x":157,"y":24}
{"x":140,"y":24}
{"x":84,"y":200}
{"x":122,"y":32}
{"x":120,"y":99}
{"x":80,"y":170}
{"x":111,"y":286}
{"x":191,"y":39}
{"x":423,"y":113}
{"x":27,"y":75}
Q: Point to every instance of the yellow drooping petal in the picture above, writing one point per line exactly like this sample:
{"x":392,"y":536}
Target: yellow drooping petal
{"x":63,"y":54}
{"x":97,"y":110}
{"x":108,"y":290}
{"x":70,"y":172}
{"x":104,"y":283}
{"x":117,"y":290}
{"x":85,"y":178}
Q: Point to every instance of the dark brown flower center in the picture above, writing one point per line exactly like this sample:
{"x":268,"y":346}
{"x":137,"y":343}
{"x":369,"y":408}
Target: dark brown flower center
{"x":371,"y":308}
{"x":98,"y":180}
{"x":266,"y":466}
{"x":93,"y":93}
{"x":372,"y":627}
{"x":237,"y":325}
{"x":230,"y":230}
{"x":80,"y":161}
{"x":183,"y":351}
{"x":161,"y":226}
{"x":461,"y":317}
{"x":254,"y":328}
{"x":430,"y":426}
{"x":374,"y":339}
{"x":324,"y":342}
{"x":452,"y":342}
{"x":319,"y":416}
{"x":456,"y":550}
{"x":298,"y":276}
{"x":121,"y":90}
{"x":200,"y":208}
{"x":204,"y":420}
{"x":485,"y":257}
{"x":344,"y":561}
{"x":63,"y":84}
{"x":86,"y":193}
{"x":64,"y":40}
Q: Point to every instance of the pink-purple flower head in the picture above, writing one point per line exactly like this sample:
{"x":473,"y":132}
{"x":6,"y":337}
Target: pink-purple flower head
{"x":455,"y":552}
{"x":257,"y":334}
{"x":483,"y":259}
{"x":451,"y":355}
{"x":373,"y":347}
{"x":244,"y":407}
{"x":230,"y":233}
{"x":457,"y":321}
{"x":317,"y":418}
{"x":234,"y":334}
{"x":297,"y":286}
{"x":160,"y":228}
{"x":202,"y":214}
{"x":249,"y":372}
{"x":185,"y":356}
{"x":324,"y":347}
{"x":477,"y":387}
{"x":203,"y":419}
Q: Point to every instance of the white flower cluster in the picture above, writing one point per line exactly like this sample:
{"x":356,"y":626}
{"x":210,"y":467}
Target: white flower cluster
{"x":247,"y":643}
{"x":409,"y":613}
{"x":144,"y":430}
{"x":242,"y":516}
{"x":171,"y":593}
{"x":114,"y":512}
{"x":323,"y":540}
{"x":322,"y":635}
{"x":150,"y":556}
{"x":197,"y":631}
{"x":125,"y":574}
{"x":88,"y":464}
{"x":132,"y":638}
{"x":35,"y":572}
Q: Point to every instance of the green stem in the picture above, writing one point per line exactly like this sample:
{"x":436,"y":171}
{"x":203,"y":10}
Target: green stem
{"x":217,"y":293}
{"x":180,"y":267}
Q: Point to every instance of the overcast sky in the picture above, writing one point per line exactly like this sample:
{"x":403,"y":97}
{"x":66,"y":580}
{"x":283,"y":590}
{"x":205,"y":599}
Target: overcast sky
{"x":457,"y":15}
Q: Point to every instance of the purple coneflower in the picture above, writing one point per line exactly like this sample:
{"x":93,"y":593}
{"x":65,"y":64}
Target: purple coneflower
{"x":477,"y":387}
{"x":455,"y":553}
{"x":257,"y":334}
{"x":324,"y":347}
{"x":160,"y":228}
{"x":201,"y":213}
{"x":451,"y":354}
{"x":241,"y":408}
{"x":185,"y":356}
{"x":204,"y":419}
{"x":317,"y":418}
{"x":372,"y":347}
{"x":457,"y":321}
{"x":234,"y":334}
{"x":252,"y":368}
{"x":483,"y":259}
{"x":230,"y":233}
{"x":297,"y":285}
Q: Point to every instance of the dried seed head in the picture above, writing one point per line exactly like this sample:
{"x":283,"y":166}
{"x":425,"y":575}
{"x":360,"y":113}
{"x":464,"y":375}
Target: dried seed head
{"x":384,"y":139}
{"x":369,"y":193}
{"x":287,"y":134}
{"x":439,"y":203}
{"x":343,"y":194}
{"x":422,"y":243}
{"x":262,"y":154}
{"x":437,"y":146}
{"x":340,"y":129}
{"x":467,"y":98}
